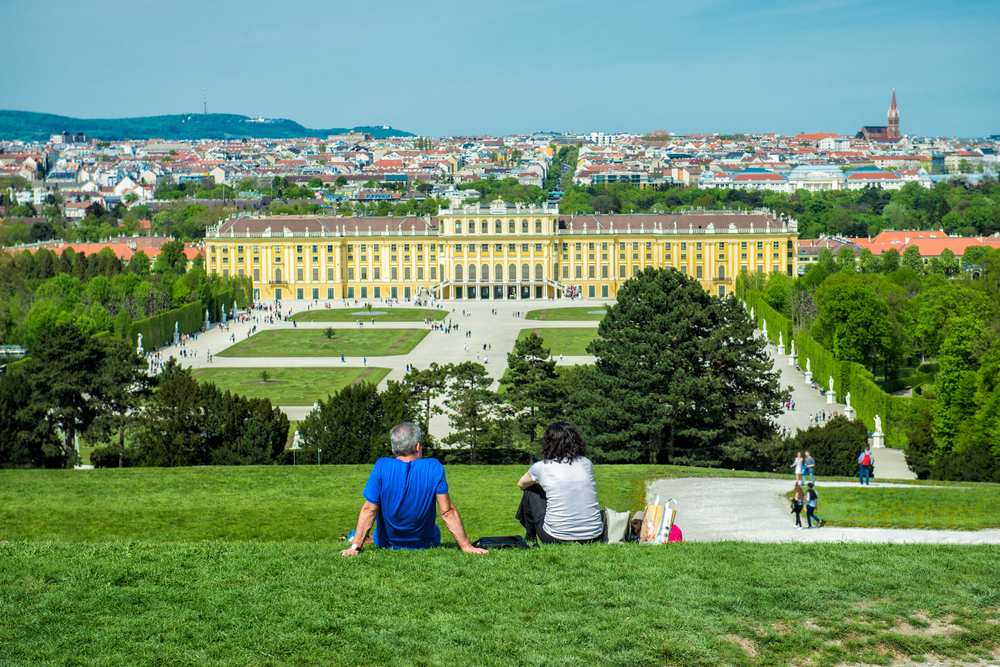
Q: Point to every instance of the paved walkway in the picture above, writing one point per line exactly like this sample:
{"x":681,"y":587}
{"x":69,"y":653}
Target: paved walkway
{"x":498,"y":332}
{"x":755,"y":510}
{"x":891,"y":463}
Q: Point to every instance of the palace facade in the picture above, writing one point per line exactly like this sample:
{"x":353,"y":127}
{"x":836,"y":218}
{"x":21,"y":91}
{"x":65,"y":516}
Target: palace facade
{"x":496,"y":251}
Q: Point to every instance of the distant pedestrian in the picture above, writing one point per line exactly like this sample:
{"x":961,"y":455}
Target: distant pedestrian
{"x":865,"y":461}
{"x":799,"y":465}
{"x":798,"y":503}
{"x":365,"y":360}
{"x":812,"y":499}
{"x":810,"y":463}
{"x":342,"y":360}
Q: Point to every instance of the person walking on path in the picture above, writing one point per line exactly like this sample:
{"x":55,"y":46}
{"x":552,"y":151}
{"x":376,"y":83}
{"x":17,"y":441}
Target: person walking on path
{"x":799,"y":465}
{"x":798,"y":502}
{"x":865,"y":461}
{"x":810,"y":464}
{"x":812,"y":499}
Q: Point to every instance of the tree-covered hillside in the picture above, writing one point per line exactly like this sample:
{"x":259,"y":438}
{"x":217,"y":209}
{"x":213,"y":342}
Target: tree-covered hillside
{"x":28,"y":126}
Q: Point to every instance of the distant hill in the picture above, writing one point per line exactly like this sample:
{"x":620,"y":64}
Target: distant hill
{"x":30,"y":126}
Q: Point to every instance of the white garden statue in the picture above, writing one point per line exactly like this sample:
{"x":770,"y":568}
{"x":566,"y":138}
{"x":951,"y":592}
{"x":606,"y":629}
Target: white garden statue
{"x":831,"y":383}
{"x":781,"y":343}
{"x":878,"y":424}
{"x":808,"y":366}
{"x":848,"y":399}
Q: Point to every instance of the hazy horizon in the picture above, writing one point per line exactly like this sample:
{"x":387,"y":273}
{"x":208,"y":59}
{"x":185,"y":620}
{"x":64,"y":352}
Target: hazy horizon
{"x":448,"y":68}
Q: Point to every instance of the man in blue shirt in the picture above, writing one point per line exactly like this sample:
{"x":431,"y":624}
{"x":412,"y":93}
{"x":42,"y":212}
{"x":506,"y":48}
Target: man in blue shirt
{"x":401,"y":493}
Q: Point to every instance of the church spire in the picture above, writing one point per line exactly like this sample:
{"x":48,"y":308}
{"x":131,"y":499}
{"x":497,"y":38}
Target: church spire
{"x":892,"y":131}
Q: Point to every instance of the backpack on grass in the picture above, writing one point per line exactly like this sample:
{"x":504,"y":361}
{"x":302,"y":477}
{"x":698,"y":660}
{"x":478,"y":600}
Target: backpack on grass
{"x":506,"y":542}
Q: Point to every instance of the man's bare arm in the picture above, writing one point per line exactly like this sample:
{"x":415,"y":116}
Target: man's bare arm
{"x":366,"y":519}
{"x":449,"y":514}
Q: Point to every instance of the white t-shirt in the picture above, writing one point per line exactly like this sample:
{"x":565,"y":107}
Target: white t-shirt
{"x":572,"y":512}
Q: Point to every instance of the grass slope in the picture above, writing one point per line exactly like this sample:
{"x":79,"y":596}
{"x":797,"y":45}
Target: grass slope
{"x":237,"y":566}
{"x":566,"y":314}
{"x":313,"y":343}
{"x":939,"y":508}
{"x":572,"y":342}
{"x":289,"y":386}
{"x":350,"y":315}
{"x":688,"y":604}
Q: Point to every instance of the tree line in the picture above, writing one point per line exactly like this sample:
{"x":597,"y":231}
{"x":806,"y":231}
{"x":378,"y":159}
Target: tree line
{"x":956,"y":206}
{"x":98,"y":292}
{"x":679,"y":378}
{"x":933,"y":330}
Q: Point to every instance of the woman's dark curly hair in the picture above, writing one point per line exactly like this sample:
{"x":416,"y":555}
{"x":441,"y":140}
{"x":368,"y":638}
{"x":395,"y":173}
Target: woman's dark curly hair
{"x":563,"y":443}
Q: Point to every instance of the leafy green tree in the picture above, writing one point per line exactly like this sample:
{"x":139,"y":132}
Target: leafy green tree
{"x":912,"y":259}
{"x":139,"y":264}
{"x":242,"y":430}
{"x":315,"y":182}
{"x":122,"y":387}
{"x":472,"y":404}
{"x":868,"y":262}
{"x":974,"y":255}
{"x":533,"y":388}
{"x":679,"y":377}
{"x":174,"y":423}
{"x":826,"y":260}
{"x":341,"y":181}
{"x":171,"y":258}
{"x":938,"y":305}
{"x":889,"y":261}
{"x":426,"y":386}
{"x":846,"y":261}
{"x":26,"y":437}
{"x":63,"y":370}
{"x":854,"y":323}
{"x":957,"y":382}
{"x":352,"y":426}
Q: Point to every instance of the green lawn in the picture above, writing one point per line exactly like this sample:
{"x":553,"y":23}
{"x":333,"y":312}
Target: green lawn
{"x":944,"y":508}
{"x":372,"y":342}
{"x":289,"y":386}
{"x":567,"y":314}
{"x":392,"y":314}
{"x":571,"y":342}
{"x":237,"y":566}
{"x":711,"y":605}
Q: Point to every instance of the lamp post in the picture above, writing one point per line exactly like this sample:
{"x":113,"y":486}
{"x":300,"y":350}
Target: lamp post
{"x":319,"y":457}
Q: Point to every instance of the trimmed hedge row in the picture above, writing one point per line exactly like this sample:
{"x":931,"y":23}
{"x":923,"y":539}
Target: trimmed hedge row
{"x":867,"y":398}
{"x":769,"y":320}
{"x":158,"y":331}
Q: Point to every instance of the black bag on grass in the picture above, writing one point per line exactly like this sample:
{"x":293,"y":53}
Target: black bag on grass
{"x":506,"y":542}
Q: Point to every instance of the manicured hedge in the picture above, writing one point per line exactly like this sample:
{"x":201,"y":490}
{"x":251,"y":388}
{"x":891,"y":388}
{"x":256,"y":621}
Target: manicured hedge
{"x":158,"y":331}
{"x":867,"y":398}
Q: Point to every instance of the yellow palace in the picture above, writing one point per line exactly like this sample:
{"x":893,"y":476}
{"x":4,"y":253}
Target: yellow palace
{"x":495,"y":251}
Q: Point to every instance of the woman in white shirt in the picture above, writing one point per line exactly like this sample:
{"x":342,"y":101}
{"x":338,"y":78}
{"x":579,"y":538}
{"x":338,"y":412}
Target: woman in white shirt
{"x":559,"y":503}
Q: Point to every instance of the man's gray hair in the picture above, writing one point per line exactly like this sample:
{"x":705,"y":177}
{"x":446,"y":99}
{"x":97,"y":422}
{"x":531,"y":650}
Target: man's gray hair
{"x":404,"y":438}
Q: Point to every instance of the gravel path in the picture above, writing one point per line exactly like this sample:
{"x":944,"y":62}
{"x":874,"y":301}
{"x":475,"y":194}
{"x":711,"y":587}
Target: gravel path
{"x":755,"y":510}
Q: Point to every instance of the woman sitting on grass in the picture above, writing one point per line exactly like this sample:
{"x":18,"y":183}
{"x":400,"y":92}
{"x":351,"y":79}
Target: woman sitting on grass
{"x":560,"y":498}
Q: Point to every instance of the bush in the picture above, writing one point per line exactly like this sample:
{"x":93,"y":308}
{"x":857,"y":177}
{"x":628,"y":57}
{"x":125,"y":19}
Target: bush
{"x":107,"y":457}
{"x":921,"y":445}
{"x":929,"y":369}
{"x":835,"y":446}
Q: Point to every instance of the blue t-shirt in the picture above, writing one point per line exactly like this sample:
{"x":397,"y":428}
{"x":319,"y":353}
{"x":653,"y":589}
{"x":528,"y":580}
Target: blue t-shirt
{"x":405,"y":494}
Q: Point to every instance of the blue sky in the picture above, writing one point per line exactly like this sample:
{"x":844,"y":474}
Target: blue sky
{"x":440,"y":67}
